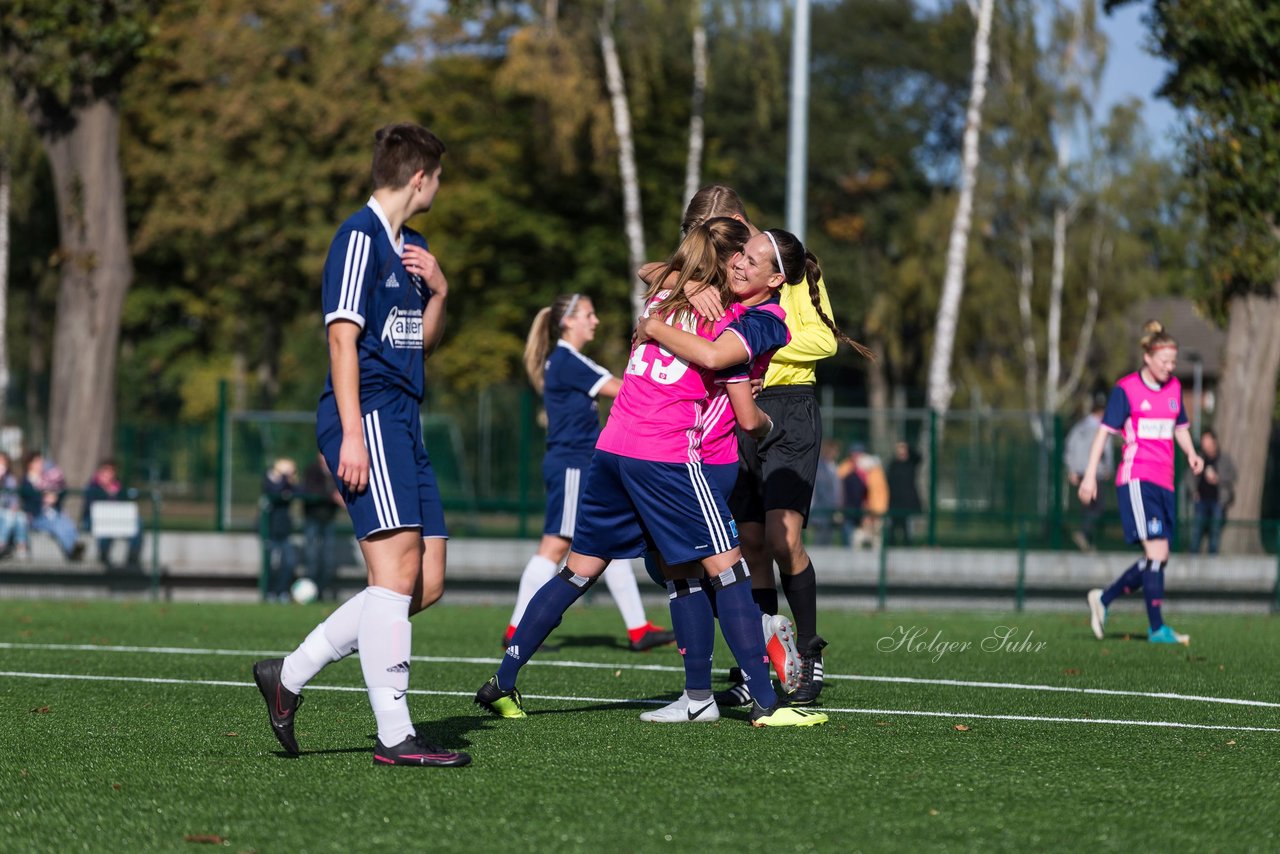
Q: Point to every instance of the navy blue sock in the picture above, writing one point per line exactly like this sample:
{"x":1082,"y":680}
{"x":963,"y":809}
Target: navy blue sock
{"x":767,"y":599}
{"x":1153,"y":592}
{"x":540,"y":619}
{"x":1128,"y":582}
{"x":694,"y":625}
{"x":802,"y":598}
{"x":740,"y":625}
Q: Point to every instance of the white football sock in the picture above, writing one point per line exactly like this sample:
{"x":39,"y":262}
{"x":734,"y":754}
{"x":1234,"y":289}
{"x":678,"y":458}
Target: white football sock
{"x":332,"y":640}
{"x":622,"y":586}
{"x":537,"y":572}
{"x":385,"y":641}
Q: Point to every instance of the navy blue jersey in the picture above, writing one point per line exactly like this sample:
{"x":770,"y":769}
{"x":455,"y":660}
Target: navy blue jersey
{"x":366,"y":283}
{"x":762,"y":329}
{"x":570,"y":385}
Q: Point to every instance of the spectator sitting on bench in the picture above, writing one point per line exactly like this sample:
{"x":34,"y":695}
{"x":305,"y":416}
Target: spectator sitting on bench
{"x":41,"y":492}
{"x":13,"y":522}
{"x":105,"y":486}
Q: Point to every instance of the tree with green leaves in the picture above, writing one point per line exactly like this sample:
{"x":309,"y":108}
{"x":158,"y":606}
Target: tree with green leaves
{"x":1226,"y":63}
{"x":68,"y":60}
{"x":248,"y":135}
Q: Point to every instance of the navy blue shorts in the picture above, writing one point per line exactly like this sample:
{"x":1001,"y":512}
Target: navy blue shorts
{"x":1147,"y":511}
{"x":562,"y":474}
{"x":402,"y":490}
{"x":722,"y":477}
{"x":629,"y":505}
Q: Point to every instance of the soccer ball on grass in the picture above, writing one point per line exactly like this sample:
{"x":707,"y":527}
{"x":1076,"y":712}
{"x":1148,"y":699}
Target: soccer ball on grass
{"x":304,"y":591}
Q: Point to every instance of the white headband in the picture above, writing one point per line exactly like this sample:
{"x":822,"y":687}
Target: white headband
{"x":777,"y":255}
{"x":568,"y":309}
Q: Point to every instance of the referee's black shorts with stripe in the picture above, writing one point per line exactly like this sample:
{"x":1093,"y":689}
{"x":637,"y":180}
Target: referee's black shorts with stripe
{"x":782,"y":477}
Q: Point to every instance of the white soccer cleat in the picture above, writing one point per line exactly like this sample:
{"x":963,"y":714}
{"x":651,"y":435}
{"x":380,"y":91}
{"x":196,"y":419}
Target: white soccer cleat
{"x":684,"y":711}
{"x":780,"y":644}
{"x":1097,"y":612}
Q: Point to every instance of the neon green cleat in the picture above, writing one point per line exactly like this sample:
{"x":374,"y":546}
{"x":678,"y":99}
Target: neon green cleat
{"x":504,"y":704}
{"x":784,"y":715}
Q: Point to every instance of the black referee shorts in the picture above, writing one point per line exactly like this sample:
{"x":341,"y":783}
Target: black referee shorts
{"x":782,"y":477}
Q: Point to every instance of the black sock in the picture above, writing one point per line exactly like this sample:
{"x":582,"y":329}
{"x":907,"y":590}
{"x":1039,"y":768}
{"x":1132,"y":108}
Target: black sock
{"x":767,"y":599}
{"x":802,"y":597}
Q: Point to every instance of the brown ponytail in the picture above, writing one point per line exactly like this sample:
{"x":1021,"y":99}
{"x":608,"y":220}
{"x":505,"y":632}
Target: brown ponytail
{"x":700,"y":257}
{"x":802,"y":266}
{"x":713,"y":200}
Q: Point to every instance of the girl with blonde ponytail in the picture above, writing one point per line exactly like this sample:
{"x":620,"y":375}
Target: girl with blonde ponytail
{"x":1145,"y":407}
{"x":570,"y":383}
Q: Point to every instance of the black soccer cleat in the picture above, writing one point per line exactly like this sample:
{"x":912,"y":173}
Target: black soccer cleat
{"x":653,"y":636}
{"x":810,"y":674}
{"x":282,"y":704}
{"x":736,"y":695}
{"x":784,"y":714}
{"x":416,"y":750}
{"x":504,"y":704}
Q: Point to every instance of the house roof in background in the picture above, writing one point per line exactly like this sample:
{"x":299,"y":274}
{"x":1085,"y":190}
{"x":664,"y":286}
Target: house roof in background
{"x":1196,"y":335}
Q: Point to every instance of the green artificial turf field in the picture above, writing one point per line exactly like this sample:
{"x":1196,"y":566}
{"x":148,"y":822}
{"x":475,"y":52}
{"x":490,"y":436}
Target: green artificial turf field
{"x":137,"y":727}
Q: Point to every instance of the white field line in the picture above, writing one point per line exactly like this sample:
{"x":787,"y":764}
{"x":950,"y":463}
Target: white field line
{"x":661,"y":668}
{"x":219,"y":683}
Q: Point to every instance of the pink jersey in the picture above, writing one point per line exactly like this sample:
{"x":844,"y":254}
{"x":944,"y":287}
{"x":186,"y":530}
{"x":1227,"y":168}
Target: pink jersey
{"x":1147,"y":418}
{"x":660,"y":406}
{"x":719,"y":442}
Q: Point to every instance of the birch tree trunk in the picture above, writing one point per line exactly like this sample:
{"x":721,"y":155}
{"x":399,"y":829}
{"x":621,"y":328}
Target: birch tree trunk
{"x":693,"y":166}
{"x":95,"y":274}
{"x":1247,"y":399}
{"x":1100,"y":247}
{"x":633,"y":218}
{"x":1030,"y":358}
{"x":940,"y":388}
{"x":1057,"y":279}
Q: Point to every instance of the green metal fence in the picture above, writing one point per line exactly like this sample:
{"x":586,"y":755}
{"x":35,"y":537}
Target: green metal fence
{"x":987,"y":478}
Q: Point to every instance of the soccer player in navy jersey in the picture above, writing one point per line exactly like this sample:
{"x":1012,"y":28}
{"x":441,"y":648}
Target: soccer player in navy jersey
{"x":570,"y":384}
{"x":384,"y":298}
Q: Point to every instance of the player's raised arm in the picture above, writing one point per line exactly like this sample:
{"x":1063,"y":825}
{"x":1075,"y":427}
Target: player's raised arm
{"x":724,"y":352}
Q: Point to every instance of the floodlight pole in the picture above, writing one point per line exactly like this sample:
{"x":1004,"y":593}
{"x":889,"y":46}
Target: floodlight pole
{"x":798,"y":130}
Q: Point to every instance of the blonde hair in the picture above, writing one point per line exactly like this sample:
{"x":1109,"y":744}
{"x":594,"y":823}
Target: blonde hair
{"x":548,"y":325}
{"x":700,"y":257}
{"x":1155,"y":338}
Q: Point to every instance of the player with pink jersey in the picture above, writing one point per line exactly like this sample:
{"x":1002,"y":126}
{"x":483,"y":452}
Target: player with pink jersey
{"x":645,"y":486}
{"x":1146,"y":409}
{"x":719,"y":442}
{"x":729,"y":395}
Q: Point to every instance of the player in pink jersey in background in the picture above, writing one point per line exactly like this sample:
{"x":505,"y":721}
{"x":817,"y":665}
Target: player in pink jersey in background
{"x":1146,"y":409}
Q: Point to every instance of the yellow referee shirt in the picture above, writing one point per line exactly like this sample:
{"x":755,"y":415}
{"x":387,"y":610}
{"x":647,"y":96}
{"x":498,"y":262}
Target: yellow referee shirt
{"x":811,"y":339}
